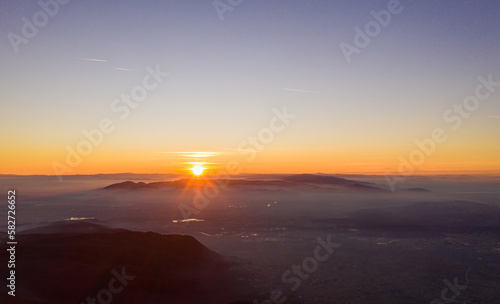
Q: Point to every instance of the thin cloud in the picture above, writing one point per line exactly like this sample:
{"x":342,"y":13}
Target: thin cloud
{"x":197,"y":163}
{"x":301,"y":91}
{"x":123,"y":69}
{"x":251,"y":150}
{"x":93,"y":59}
{"x":194,"y":154}
{"x":494,"y":116}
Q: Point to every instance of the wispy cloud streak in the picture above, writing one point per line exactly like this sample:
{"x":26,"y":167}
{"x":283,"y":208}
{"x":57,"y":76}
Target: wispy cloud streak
{"x":93,"y":59}
{"x":301,"y":91}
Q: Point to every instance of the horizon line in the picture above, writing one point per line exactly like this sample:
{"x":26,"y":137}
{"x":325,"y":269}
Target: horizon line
{"x":423,"y":173}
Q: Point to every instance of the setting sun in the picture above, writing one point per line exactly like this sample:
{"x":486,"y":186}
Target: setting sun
{"x":197,"y":170}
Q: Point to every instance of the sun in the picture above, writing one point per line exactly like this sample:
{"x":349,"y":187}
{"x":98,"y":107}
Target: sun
{"x":197,"y":170}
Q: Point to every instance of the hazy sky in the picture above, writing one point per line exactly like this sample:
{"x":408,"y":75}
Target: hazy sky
{"x":228,"y":77}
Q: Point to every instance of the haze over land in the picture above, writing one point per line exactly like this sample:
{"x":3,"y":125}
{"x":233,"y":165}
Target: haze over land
{"x":435,"y":228}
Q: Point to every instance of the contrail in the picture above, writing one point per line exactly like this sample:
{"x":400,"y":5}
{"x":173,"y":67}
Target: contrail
{"x":302,"y":91}
{"x":92,"y":59}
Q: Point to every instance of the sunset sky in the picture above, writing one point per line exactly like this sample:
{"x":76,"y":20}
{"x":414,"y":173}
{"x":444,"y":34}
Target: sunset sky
{"x":228,"y":78}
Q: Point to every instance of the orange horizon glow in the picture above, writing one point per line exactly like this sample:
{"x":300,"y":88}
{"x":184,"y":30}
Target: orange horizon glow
{"x":272,"y":161}
{"x":219,"y":171}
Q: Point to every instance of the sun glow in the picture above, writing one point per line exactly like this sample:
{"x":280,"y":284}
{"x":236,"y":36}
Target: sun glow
{"x":197,"y":170}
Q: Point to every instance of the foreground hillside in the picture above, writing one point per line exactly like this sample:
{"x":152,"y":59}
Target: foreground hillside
{"x":143,"y":267}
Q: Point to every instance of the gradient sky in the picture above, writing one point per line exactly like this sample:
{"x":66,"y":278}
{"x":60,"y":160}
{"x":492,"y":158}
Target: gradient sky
{"x":226,"y":77}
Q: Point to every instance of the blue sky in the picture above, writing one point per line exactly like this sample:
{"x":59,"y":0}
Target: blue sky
{"x":227,"y":76}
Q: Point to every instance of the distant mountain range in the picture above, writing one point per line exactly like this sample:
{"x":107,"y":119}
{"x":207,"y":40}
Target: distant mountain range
{"x":306,"y":181}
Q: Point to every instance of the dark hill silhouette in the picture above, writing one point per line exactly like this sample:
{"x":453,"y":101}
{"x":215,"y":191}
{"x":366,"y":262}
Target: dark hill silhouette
{"x":306,"y":181}
{"x":318,"y":179}
{"x":69,"y":226}
{"x":69,"y":267}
